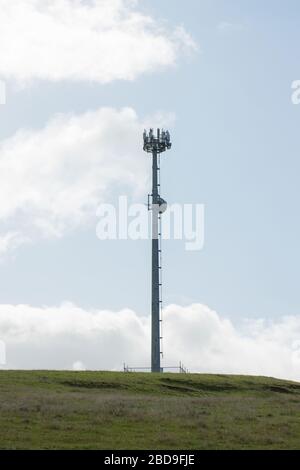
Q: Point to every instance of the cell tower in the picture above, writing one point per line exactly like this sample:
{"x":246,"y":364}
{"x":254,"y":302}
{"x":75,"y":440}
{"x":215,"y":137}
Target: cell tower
{"x":156,"y":144}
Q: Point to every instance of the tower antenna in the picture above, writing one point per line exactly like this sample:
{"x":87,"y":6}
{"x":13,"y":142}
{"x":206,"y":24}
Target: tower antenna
{"x":156,"y":144}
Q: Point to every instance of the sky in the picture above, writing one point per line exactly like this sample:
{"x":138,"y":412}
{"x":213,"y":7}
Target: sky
{"x":83,"y":78}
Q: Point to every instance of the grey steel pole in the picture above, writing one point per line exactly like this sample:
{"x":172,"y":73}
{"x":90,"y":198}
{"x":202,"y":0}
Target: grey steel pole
{"x":156,"y":145}
{"x":155,"y":359}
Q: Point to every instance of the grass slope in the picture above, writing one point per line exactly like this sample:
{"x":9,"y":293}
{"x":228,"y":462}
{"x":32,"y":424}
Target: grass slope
{"x":99,"y":410}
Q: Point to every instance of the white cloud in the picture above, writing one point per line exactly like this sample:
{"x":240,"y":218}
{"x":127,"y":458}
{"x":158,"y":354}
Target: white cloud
{"x":55,"y":337}
{"x":2,"y":92}
{"x":78,"y":366}
{"x":96,"y":40}
{"x":52,"y":179}
{"x":10,"y":241}
{"x":2,"y":353}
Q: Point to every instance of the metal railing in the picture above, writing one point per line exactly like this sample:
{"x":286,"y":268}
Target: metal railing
{"x":181,"y":369}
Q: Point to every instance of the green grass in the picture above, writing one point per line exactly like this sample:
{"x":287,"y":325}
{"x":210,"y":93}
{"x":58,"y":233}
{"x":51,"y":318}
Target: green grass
{"x":99,"y":410}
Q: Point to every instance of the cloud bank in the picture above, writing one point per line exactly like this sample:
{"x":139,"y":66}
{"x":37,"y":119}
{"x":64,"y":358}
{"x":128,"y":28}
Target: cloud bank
{"x":52,"y":179}
{"x":68,"y":337}
{"x":96,"y":40}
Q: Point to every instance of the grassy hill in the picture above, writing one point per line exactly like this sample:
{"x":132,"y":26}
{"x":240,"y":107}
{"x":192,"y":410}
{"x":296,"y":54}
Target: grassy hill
{"x":99,"y":410}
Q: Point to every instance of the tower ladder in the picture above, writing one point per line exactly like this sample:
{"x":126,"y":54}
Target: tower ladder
{"x":160,"y":266}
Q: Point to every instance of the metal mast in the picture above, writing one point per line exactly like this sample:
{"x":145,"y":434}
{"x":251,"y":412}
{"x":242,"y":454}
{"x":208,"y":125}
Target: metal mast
{"x":156,"y":144}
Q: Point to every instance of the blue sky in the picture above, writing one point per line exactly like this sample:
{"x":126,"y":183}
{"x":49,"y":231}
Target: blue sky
{"x":235,"y":149}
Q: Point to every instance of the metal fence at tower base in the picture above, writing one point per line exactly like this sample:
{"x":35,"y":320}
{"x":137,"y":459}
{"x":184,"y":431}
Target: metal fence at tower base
{"x":175,"y":369}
